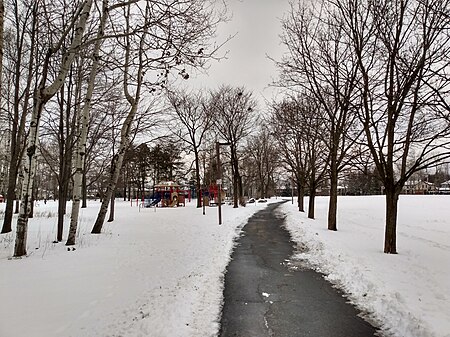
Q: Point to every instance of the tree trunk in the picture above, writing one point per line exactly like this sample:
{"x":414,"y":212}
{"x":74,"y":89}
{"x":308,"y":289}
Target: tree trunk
{"x":301,"y":196}
{"x":390,"y":237}
{"x":240,"y":191}
{"x":111,"y":209}
{"x":80,"y":164}
{"x":126,"y":127}
{"x":61,"y":212}
{"x":63,"y":191}
{"x":33,"y":199}
{"x":125,"y":183}
{"x":311,"y":204}
{"x":84,"y":189}
{"x":197,"y":178}
{"x":17,"y":208}
{"x":235,"y":192}
{"x":118,"y":159}
{"x":332,"y":206}
{"x":10,"y":198}
{"x":235,"y":179}
{"x":20,"y":247}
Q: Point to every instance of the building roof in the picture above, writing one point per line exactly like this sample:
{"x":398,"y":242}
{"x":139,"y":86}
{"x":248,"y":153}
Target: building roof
{"x":167,"y":184}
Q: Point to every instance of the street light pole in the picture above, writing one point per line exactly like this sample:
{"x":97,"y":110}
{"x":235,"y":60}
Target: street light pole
{"x":219,"y":180}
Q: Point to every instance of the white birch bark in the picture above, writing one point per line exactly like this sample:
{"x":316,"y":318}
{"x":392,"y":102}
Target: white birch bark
{"x":85,"y":117}
{"x":116,"y":165}
{"x":42,"y":96}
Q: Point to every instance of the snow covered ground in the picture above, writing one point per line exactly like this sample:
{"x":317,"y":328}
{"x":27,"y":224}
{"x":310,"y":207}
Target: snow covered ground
{"x":153,"y":273}
{"x":409,"y":293}
{"x":160,"y":273}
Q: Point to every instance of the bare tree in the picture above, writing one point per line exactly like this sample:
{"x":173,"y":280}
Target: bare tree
{"x":297,"y":124}
{"x":320,"y":61}
{"x":234,"y":117}
{"x":58,"y":132}
{"x":100,"y":130}
{"x":402,"y":49}
{"x":43,"y":94}
{"x":192,"y":121}
{"x":21,"y":60}
{"x":289,"y":135}
{"x":262,"y":159}
{"x":166,"y":36}
{"x":84,"y":115}
{"x":133,"y":100}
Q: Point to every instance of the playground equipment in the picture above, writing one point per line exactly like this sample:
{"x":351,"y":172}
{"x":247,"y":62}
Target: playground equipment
{"x":210,"y":195}
{"x":170,"y":194}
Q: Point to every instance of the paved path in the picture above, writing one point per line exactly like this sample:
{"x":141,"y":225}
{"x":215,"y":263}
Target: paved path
{"x":264,"y":298}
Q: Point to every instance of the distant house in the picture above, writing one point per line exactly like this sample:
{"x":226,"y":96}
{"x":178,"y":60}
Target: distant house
{"x":419,"y":187}
{"x":445,"y":188}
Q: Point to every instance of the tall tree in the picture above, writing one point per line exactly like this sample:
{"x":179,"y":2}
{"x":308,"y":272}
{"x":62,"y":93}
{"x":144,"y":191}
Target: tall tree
{"x":320,"y":61}
{"x":286,"y":124}
{"x":21,"y":58}
{"x":84,"y":114}
{"x":133,"y":99}
{"x":402,"y":50}
{"x":262,"y":159}
{"x":43,"y":94}
{"x":192,"y":121}
{"x":234,"y":117}
{"x":169,"y":35}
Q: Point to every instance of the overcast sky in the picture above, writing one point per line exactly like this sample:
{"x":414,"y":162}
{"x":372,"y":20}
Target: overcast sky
{"x":257,"y":26}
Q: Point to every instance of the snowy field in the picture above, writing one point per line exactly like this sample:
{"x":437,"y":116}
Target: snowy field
{"x":160,"y":273}
{"x":409,"y":293}
{"x":153,"y":273}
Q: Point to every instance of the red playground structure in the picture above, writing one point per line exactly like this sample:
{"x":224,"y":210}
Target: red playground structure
{"x":171,"y":194}
{"x":210,"y":195}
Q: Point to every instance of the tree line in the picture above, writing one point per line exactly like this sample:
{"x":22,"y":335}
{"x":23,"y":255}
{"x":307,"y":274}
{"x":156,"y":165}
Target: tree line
{"x":367,"y":82}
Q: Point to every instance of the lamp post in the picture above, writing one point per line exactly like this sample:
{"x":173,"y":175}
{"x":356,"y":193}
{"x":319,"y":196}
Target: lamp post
{"x":219,"y":180}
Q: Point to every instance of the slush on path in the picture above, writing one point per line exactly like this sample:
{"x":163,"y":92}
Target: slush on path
{"x":263,"y":297}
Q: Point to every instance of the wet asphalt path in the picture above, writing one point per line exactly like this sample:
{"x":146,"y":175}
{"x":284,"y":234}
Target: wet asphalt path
{"x":262,"y":297}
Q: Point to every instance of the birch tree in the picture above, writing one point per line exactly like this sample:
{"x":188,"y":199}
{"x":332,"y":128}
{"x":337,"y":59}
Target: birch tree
{"x":20,"y":64}
{"x":133,"y":99}
{"x":84,"y":123}
{"x":43,"y":94}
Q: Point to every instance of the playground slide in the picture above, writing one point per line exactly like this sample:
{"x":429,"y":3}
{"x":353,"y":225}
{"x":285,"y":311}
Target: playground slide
{"x":151,"y":202}
{"x":155,"y":202}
